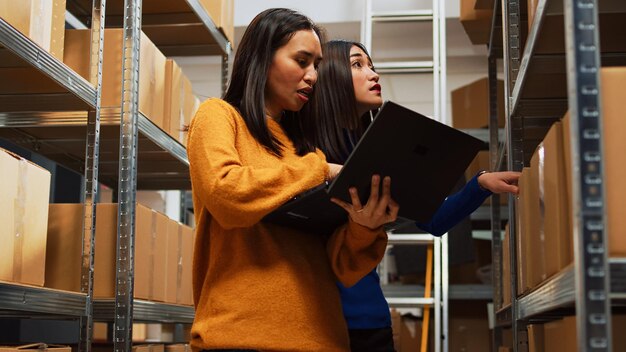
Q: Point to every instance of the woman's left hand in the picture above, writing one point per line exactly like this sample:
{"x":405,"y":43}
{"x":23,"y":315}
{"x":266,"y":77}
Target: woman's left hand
{"x":500,"y":182}
{"x":377,"y":211}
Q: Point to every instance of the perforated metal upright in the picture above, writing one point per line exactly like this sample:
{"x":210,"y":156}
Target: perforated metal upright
{"x":437,"y":67}
{"x":127,"y":189}
{"x":592,"y":276}
{"x":90,"y":190}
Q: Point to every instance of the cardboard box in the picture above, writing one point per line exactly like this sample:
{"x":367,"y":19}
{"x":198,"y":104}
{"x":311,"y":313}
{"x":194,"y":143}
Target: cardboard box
{"x":222,"y":13}
{"x":180,"y":103}
{"x":40,"y":347}
{"x":613,"y":81}
{"x":556,"y":220}
{"x":535,"y":206}
{"x":535,"y":338}
{"x":24,"y":197}
{"x":524,"y":236}
{"x":43,"y":21}
{"x":506,"y":268}
{"x":469,"y":327}
{"x":185,"y":293}
{"x":151,"y":70}
{"x":178,"y":348}
{"x":477,"y":23}
{"x":560,"y":335}
{"x":470,"y":105}
{"x":63,"y":261}
{"x":483,"y":5}
{"x":173,"y":261}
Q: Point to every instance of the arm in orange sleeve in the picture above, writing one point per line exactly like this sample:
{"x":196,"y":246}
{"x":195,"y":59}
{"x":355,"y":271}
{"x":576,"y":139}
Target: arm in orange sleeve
{"x":355,"y":250}
{"x":237,"y":195}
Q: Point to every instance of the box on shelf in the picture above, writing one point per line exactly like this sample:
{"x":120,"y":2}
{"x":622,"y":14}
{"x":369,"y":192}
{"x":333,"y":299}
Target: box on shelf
{"x":185,"y":293}
{"x":613,"y":104}
{"x":179,"y":101}
{"x":555,"y":217}
{"x":222,"y":13}
{"x":43,"y":21}
{"x":24,"y":197}
{"x":470,"y":105}
{"x":151,"y":69}
{"x":483,"y":5}
{"x":527,"y":240}
{"x":64,"y":252}
{"x":561,"y":335}
{"x":535,"y":338}
{"x":477,"y":23}
{"x":469,"y":327}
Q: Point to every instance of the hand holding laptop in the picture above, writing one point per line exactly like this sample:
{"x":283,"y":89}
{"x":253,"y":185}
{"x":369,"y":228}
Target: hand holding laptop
{"x":378,"y":210}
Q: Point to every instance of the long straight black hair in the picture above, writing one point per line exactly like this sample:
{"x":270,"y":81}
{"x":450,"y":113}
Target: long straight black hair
{"x":268,"y":31}
{"x":330,"y":118}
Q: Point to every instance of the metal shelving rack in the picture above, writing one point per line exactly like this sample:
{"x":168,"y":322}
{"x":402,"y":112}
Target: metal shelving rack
{"x":78,"y":93}
{"x":71,"y":128}
{"x":595,"y":282}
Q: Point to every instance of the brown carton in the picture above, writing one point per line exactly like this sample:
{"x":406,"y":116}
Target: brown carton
{"x":185,"y":293}
{"x":24,"y":196}
{"x":470,"y":105}
{"x":151,"y":70}
{"x":63,"y":260}
{"x":173,"y":98}
{"x":222,"y":13}
{"x":477,"y":23}
{"x":556,"y":220}
{"x":172,"y":259}
{"x":178,"y":348}
{"x":535,"y":338}
{"x":43,"y":21}
{"x":560,"y":335}
{"x":613,"y":81}
{"x":535,"y":228}
{"x":149,"y":348}
{"x":524,"y":234}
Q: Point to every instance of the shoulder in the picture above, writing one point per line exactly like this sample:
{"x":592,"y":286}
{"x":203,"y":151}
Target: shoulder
{"x":215,"y":112}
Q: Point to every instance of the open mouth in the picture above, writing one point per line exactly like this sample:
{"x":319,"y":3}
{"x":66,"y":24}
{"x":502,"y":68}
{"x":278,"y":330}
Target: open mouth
{"x":304,"y":93}
{"x":376,"y":88}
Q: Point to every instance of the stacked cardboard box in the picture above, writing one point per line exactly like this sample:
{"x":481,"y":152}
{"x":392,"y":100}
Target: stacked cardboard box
{"x":39,"y":347}
{"x":151,"y":70}
{"x":24,"y":196}
{"x":180,"y":103}
{"x":163,"y":251}
{"x":470,"y":105}
{"x":222,"y":13}
{"x":477,"y":22}
{"x":43,"y":21}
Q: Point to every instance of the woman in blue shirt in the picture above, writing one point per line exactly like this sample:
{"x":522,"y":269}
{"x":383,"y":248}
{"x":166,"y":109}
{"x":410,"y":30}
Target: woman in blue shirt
{"x":346,"y":93}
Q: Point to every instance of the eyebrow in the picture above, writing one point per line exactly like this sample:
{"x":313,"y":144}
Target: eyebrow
{"x":308,"y":54}
{"x":356,"y":54}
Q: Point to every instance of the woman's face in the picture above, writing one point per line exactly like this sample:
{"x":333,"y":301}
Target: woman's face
{"x":293,"y":73}
{"x":365,"y":81}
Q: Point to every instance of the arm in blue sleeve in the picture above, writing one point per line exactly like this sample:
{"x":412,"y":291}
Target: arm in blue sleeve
{"x":455,"y":208}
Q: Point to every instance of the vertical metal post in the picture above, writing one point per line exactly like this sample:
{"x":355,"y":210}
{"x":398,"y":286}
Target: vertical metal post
{"x":496,"y":236}
{"x":127,"y":187}
{"x":183,"y":205}
{"x":90,"y":190}
{"x":593,"y":311}
{"x":511,"y":21}
{"x":366,"y":26}
{"x":440,"y":104}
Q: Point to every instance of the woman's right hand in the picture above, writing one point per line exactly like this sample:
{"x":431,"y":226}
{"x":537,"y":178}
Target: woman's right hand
{"x":377,"y":211}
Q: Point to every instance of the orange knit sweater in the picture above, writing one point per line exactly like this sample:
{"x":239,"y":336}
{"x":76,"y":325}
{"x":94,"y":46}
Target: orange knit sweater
{"x":256,"y":285}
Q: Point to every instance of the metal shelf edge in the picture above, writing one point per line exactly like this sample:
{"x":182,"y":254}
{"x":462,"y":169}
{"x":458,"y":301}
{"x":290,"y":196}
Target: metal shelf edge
{"x":21,"y":298}
{"x":221,"y":40}
{"x":40,"y":59}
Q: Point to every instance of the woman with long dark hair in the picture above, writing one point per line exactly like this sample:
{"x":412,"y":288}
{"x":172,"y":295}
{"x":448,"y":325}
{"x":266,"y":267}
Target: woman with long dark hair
{"x":346,"y":95}
{"x":260,"y":286}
